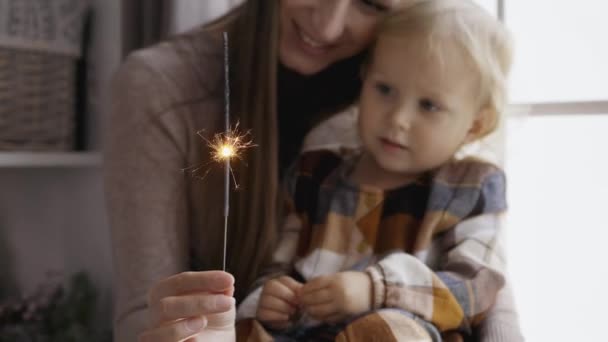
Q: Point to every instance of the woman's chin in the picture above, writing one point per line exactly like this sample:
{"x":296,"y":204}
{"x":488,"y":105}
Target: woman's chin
{"x":302,"y":66}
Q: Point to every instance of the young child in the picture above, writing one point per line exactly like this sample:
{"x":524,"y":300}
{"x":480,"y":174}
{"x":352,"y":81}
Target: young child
{"x":399,"y":228}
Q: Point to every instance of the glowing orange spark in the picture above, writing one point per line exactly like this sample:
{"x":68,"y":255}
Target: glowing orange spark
{"x":227,"y":151}
{"x":229,"y":145}
{"x":224,"y":146}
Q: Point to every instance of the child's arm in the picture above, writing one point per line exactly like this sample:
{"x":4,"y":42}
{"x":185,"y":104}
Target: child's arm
{"x":309,"y":169}
{"x":279,"y":269}
{"x":274,"y":284}
{"x":463,"y":287}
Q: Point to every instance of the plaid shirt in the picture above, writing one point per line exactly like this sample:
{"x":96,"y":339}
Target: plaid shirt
{"x":429,"y":246}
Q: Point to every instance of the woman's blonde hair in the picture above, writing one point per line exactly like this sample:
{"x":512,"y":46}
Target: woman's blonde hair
{"x":482,"y":38}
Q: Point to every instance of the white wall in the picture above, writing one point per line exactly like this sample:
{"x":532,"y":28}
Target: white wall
{"x":53,"y":219}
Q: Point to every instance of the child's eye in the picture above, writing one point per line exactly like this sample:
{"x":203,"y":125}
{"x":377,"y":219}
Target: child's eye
{"x":375,"y":5}
{"x":383,"y":88}
{"x":429,"y":105}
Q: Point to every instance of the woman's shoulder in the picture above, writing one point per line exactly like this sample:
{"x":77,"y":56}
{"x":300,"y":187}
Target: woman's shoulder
{"x":183,"y":69}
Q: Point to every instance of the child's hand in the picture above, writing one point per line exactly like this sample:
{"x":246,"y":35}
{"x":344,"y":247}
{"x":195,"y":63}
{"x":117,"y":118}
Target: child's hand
{"x":278,"y":301}
{"x":334,"y":297}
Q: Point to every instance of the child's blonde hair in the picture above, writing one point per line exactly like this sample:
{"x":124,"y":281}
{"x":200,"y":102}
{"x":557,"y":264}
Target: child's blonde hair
{"x":482,"y":38}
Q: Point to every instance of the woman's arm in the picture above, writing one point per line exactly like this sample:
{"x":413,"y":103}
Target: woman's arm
{"x":145,"y":192}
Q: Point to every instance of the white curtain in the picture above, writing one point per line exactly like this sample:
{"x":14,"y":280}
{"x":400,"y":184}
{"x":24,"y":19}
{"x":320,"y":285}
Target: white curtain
{"x":186,"y":14}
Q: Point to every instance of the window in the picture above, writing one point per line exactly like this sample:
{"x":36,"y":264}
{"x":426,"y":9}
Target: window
{"x":561,"y":50}
{"x":556,"y":165}
{"x":556,"y":227}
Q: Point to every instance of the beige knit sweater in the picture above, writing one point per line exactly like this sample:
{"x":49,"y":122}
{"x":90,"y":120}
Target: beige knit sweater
{"x":162,"y":218}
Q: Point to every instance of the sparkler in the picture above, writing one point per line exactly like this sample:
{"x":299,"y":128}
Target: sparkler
{"x":227,"y":146}
{"x":226,"y":149}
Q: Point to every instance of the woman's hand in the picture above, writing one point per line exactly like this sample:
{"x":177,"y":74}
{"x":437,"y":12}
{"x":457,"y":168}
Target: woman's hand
{"x":278,"y":302}
{"x":334,"y":297}
{"x":192,"y":306}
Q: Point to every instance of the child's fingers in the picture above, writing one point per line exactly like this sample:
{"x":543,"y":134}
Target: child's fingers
{"x":334,"y":318}
{"x":321,"y":296}
{"x":321,"y":311}
{"x":275,"y":288}
{"x":276,"y":304}
{"x":290,"y":283}
{"x":316,"y":284}
{"x":266,"y":315}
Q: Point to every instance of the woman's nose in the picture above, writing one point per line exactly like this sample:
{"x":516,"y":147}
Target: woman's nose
{"x":329,"y":19}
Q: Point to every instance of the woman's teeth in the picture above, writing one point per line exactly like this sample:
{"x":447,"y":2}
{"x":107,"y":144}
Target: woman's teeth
{"x":310,"y":41}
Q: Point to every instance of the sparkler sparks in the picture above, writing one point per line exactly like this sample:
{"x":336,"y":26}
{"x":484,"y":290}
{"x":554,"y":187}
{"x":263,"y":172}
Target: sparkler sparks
{"x":227,"y":151}
{"x":229,"y":145}
{"x":226,"y":146}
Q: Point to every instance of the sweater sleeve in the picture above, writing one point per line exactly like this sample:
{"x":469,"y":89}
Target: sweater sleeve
{"x":502,"y":321}
{"x":145,"y":192}
{"x":459,"y":293}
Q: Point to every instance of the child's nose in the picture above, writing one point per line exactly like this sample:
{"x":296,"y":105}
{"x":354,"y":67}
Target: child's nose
{"x":402,"y":117}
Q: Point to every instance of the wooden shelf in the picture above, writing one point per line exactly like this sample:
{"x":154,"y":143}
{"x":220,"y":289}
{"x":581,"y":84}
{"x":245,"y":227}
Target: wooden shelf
{"x":49,"y":159}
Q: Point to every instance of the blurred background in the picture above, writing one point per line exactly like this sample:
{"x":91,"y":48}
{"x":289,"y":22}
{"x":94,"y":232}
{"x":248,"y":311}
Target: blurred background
{"x":57,"y":57}
{"x":56,"y":60}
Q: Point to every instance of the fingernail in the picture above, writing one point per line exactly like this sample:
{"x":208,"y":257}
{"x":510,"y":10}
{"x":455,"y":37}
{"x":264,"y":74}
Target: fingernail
{"x":224,"y":302}
{"x":196,"y":324}
{"x":222,"y":280}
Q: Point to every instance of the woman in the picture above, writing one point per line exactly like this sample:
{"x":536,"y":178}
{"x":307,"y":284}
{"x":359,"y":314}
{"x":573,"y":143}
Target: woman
{"x":293,"y":63}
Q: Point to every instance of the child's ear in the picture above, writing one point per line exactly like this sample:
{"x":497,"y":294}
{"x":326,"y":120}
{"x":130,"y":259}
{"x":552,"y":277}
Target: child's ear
{"x":480,"y":125}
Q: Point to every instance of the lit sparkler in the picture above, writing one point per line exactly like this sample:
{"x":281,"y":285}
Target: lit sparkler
{"x":225,"y":147}
{"x":229,"y":145}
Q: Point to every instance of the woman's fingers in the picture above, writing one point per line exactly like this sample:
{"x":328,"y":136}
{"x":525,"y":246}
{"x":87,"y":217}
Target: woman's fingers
{"x":189,"y":282}
{"x":222,"y":322}
{"x":177,"y":307}
{"x":176,"y":331}
{"x":192,"y":305}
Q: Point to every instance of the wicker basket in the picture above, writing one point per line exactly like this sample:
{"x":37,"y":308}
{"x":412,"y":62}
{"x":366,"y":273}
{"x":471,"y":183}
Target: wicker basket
{"x":38,"y":73}
{"x":37,"y":102}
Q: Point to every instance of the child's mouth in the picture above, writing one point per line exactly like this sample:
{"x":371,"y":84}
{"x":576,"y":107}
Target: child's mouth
{"x":389,"y":144}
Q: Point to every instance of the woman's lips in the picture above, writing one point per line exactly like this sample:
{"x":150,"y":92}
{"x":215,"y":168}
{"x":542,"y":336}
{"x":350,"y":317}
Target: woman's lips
{"x":392,"y":145}
{"x":309,"y":44}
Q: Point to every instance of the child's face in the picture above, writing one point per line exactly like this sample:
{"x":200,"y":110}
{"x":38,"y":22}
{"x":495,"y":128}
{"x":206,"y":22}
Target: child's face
{"x":416,"y":108}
